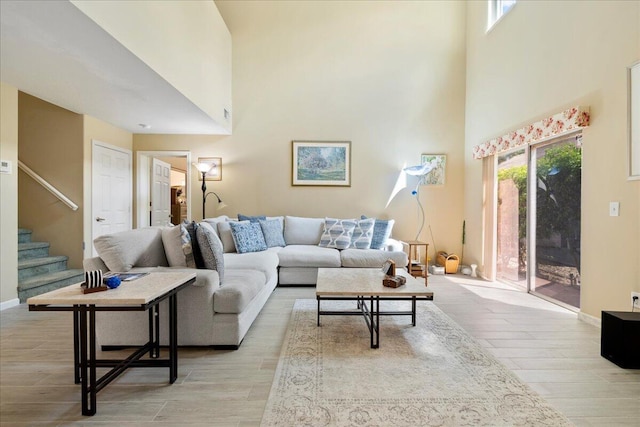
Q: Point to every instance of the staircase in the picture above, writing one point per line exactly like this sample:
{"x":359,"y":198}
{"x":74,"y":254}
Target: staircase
{"x":37,"y":271}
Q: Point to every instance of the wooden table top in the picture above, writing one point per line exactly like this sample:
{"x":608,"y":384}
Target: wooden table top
{"x":136,"y":292}
{"x":365,"y":282}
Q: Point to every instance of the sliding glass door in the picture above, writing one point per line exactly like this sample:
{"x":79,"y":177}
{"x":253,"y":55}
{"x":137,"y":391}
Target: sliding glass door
{"x":555,"y":237}
{"x":511,"y":261}
{"x":538,"y":219}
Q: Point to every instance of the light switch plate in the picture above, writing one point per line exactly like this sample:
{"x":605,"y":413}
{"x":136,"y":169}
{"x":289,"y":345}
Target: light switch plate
{"x":5,"y":166}
{"x":614,"y":209}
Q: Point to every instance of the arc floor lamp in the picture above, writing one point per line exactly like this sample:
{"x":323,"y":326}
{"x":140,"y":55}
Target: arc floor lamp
{"x":203,"y":168}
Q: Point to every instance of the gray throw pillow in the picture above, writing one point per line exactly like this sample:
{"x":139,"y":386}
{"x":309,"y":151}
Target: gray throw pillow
{"x":273,"y":233}
{"x":363,"y":234}
{"x":174,"y":246}
{"x":211,"y":248}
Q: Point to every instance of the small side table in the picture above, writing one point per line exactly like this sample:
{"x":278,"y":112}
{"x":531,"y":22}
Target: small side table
{"x":416,"y":267}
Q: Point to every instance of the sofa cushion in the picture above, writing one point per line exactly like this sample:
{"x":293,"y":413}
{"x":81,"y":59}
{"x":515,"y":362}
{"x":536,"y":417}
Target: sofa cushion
{"x":308,"y":256}
{"x":371,"y":258}
{"x":211,"y":248}
{"x":141,"y":247}
{"x":213,"y":222}
{"x":248,"y":237}
{"x":381,"y":232}
{"x":173,"y":246}
{"x":240,"y":287}
{"x":302,"y":231}
{"x":362,"y":234}
{"x":177,"y":246}
{"x":224,"y":231}
{"x":265,"y":261}
{"x":273,"y":232}
{"x":337,"y":233}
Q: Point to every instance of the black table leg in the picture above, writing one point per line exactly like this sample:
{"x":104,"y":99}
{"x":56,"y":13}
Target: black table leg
{"x":92,"y":361}
{"x":318,"y":298}
{"x":413,"y":311}
{"x":173,"y":338}
{"x":76,"y":345}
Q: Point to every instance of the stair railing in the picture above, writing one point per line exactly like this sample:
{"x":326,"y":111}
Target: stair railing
{"x":53,"y":190}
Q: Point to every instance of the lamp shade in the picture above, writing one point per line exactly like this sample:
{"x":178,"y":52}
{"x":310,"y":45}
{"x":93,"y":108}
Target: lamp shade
{"x":203,"y":167}
{"x":419,"y":170}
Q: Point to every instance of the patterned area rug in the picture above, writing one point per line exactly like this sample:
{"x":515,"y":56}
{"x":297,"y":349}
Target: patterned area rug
{"x":433,"y":374}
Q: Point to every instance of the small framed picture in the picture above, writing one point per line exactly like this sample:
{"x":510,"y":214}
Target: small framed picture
{"x":215,"y":173}
{"x":389,"y":267}
{"x":437,"y":174}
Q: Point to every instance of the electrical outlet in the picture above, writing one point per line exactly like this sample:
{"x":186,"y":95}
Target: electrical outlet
{"x":636,"y":303}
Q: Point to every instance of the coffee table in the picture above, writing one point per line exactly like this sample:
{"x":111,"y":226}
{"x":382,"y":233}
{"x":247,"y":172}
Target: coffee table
{"x":364,"y":286}
{"x":141,"y":294}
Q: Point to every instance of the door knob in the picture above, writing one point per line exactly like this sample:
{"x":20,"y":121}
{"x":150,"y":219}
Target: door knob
{"x":99,"y":219}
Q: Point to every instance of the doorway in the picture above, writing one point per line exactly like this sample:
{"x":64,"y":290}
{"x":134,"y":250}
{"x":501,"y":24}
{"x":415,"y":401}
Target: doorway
{"x":538,"y":219}
{"x":177,"y":189}
{"x":110,"y":190}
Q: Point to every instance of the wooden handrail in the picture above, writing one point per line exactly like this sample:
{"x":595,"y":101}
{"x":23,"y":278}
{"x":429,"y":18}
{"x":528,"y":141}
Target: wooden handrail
{"x":53,"y":190}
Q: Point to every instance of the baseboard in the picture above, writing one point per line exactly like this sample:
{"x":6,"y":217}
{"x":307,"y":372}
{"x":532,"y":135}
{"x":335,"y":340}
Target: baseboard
{"x":8,"y":304}
{"x":590,"y":319}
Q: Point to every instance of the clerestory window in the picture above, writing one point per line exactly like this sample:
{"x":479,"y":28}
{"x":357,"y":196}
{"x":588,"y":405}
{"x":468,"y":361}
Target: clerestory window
{"x":497,"y":9}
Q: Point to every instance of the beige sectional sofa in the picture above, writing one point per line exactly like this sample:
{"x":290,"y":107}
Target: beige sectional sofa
{"x":214,"y":312}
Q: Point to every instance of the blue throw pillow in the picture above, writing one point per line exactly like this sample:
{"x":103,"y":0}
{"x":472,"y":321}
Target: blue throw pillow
{"x":273,"y":233}
{"x":255,"y":218}
{"x":381,"y":232}
{"x":248,"y":237}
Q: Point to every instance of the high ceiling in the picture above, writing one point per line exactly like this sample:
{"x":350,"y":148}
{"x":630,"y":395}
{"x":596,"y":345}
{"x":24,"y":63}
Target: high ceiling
{"x":51,"y":50}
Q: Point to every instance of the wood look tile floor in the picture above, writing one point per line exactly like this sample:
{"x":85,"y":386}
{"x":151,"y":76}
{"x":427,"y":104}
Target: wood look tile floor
{"x":544,"y":344}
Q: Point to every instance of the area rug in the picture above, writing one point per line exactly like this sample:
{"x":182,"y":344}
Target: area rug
{"x":433,"y":374}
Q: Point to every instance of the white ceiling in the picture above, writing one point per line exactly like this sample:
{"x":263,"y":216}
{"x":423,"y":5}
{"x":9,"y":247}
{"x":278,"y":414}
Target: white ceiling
{"x":51,"y":50}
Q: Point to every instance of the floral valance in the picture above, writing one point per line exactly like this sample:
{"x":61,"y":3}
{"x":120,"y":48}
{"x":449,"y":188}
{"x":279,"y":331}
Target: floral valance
{"x":568,"y":120}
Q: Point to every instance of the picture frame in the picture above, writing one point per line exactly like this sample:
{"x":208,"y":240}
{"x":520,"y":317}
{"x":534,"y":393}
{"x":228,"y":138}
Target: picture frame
{"x":215,"y":173}
{"x":321,"y":163}
{"x":438,"y":173}
{"x":633,"y":79}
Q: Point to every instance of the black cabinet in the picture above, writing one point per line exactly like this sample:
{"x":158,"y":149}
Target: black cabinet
{"x":620,"y":338}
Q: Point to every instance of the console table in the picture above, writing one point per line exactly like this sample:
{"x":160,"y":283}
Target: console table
{"x":141,"y":294}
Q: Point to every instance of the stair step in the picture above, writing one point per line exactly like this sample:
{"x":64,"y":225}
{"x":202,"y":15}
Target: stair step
{"x":48,"y":282}
{"x":24,"y":235}
{"x":33,"y":250}
{"x":36,"y":266}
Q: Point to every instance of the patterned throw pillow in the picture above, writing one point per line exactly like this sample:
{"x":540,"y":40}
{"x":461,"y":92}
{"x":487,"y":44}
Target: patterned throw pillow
{"x":273,"y":233}
{"x":248,"y":237}
{"x":381,"y":232}
{"x":363,"y":234}
{"x":195,"y":248}
{"x":337,"y":233}
{"x":187,"y":247}
{"x":254,"y":218}
{"x":211,"y":248}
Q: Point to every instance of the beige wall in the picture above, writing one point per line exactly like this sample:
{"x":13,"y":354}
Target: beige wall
{"x":540,"y":60}
{"x":387,"y":76}
{"x":95,"y":129}
{"x":185,"y":42}
{"x":9,"y":193}
{"x":51,"y":144}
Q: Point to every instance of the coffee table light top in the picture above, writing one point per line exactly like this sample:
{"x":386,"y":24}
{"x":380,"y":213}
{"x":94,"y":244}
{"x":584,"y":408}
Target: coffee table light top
{"x":365,"y":282}
{"x":136,"y":292}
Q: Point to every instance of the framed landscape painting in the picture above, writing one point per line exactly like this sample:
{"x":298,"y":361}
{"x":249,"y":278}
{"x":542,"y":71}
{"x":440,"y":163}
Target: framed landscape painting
{"x":321,"y":163}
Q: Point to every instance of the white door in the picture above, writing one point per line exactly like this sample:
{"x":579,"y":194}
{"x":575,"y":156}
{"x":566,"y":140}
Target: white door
{"x":111,"y":184}
{"x":160,"y":193}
